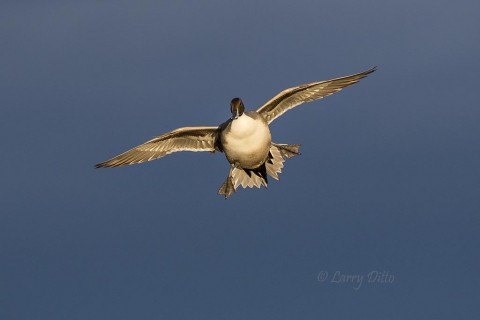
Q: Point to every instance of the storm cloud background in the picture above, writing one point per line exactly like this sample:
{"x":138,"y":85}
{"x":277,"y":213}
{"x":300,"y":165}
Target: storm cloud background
{"x":388,"y":179}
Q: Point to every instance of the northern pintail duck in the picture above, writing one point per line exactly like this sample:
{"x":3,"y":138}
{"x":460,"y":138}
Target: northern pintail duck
{"x":244,"y":138}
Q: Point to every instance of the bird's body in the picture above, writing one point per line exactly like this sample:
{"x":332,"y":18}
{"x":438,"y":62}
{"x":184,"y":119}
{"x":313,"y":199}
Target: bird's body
{"x":245,"y":138}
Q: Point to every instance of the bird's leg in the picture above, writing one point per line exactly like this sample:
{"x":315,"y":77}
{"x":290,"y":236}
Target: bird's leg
{"x":288,"y":150}
{"x":227,"y":188}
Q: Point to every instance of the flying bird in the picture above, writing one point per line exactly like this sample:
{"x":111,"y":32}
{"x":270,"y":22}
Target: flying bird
{"x":244,"y":138}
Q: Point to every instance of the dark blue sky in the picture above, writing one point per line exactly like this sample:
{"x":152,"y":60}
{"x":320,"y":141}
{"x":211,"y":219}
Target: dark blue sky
{"x":388,"y":179}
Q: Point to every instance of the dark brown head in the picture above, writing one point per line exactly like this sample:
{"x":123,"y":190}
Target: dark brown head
{"x":236,"y":108}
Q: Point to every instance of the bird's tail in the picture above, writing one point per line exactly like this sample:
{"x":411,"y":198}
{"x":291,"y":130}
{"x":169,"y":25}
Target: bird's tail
{"x":277,"y":156}
{"x":258,"y":177}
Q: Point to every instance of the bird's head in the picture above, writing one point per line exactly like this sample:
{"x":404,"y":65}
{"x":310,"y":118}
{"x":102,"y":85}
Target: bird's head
{"x":236,"y":108}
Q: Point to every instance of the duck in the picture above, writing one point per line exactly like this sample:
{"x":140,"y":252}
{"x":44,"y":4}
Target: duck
{"x":245,"y":138}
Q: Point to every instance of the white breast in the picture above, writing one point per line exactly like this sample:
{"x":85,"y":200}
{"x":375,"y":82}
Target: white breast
{"x":246,"y":141}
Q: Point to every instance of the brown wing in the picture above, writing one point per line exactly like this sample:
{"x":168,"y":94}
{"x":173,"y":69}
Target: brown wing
{"x":292,"y":97}
{"x":182,"y":139}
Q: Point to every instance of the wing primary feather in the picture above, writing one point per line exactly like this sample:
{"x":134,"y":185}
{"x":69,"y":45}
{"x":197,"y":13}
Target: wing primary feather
{"x":182,"y":139}
{"x":292,"y":97}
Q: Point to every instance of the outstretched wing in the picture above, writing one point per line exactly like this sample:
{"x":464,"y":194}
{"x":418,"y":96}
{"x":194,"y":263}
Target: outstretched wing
{"x":292,"y":97}
{"x":182,"y":139}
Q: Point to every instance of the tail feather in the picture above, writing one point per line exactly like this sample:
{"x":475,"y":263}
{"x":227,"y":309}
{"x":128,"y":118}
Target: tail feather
{"x":273,"y":167}
{"x":258,"y":177}
{"x":249,"y":178}
{"x":274,"y":163}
